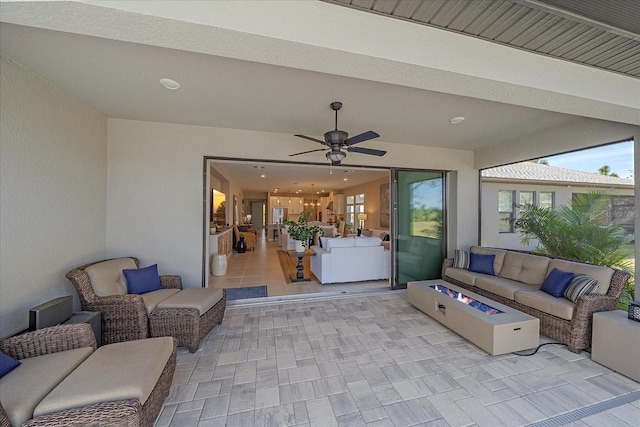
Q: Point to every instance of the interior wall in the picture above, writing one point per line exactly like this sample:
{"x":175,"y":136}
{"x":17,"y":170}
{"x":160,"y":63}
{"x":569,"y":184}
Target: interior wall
{"x":53,"y":181}
{"x":371,"y":191}
{"x":154,"y":204}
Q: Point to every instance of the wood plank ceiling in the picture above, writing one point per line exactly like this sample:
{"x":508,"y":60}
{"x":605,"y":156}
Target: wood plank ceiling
{"x":601,"y":34}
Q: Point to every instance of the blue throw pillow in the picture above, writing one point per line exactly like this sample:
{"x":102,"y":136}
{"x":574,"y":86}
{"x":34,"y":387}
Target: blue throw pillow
{"x":557,"y":282}
{"x":7,"y":364}
{"x":142,"y":280}
{"x":480,"y":263}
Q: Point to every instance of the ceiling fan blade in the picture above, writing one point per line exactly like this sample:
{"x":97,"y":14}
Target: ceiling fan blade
{"x":366,"y":151}
{"x":361,"y":138}
{"x":311,"y":139}
{"x":310,"y":151}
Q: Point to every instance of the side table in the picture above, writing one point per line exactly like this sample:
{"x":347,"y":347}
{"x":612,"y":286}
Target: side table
{"x":616,"y":342}
{"x":93,"y":318}
{"x":299,"y":276}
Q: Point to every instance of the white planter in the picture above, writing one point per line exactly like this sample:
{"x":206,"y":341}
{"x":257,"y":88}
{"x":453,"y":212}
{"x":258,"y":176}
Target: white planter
{"x":299,"y":247}
{"x":212,"y":230}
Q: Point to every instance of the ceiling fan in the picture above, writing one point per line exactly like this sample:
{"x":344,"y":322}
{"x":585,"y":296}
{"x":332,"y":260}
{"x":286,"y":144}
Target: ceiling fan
{"x":337,"y":139}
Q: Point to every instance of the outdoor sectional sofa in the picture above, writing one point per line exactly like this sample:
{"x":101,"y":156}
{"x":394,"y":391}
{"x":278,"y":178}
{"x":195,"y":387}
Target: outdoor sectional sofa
{"x":518,"y":277}
{"x":64,"y":381}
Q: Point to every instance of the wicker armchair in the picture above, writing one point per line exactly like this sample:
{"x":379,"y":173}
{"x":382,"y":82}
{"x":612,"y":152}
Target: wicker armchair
{"x":124,"y":317}
{"x":186,"y":315}
{"x":119,"y":412}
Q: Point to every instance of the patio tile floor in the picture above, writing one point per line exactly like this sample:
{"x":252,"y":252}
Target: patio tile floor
{"x":374,"y":360}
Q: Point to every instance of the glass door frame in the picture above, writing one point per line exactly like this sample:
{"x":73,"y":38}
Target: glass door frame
{"x":393,"y":221}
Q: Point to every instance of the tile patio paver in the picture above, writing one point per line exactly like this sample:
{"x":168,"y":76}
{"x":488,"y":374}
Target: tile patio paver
{"x":374,"y":360}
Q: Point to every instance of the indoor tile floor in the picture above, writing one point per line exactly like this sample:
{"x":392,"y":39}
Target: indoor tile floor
{"x":262,"y":267}
{"x":374,"y":360}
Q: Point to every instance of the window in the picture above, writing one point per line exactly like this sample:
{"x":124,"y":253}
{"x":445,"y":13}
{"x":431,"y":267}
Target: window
{"x":505,"y":211}
{"x":546,"y":199}
{"x":355,"y":205}
{"x":527,"y":198}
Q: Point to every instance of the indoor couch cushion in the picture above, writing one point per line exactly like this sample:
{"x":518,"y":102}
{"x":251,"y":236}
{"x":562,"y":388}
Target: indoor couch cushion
{"x":7,"y":364}
{"x":142,"y":280}
{"x":556,"y":282}
{"x":201,"y":298}
{"x":107,"y":278}
{"x":461,"y":259}
{"x":499,"y":253}
{"x":525,"y":268}
{"x":462,"y":275}
{"x":121,"y":371}
{"x":338,"y":242}
{"x":601,"y":274}
{"x":559,"y":307}
{"x":367,"y":241}
{"x":22,"y":389}
{"x":506,"y":288}
{"x":480,"y":263}
{"x":367,"y":233}
{"x":580,"y":285}
{"x":153,"y":298}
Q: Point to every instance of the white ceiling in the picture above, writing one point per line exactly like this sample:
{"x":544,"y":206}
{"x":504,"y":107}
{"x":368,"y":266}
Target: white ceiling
{"x":276,"y":67}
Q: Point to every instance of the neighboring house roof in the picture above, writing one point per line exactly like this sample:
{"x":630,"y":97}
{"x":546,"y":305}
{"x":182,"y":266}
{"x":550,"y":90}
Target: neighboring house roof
{"x":529,"y":171}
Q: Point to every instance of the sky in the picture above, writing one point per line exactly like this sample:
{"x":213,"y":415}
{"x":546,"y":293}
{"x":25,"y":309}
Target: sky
{"x":619,"y":158}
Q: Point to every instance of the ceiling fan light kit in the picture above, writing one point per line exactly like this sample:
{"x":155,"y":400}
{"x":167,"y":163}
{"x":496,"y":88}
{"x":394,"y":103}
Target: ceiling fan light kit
{"x":337,"y":139}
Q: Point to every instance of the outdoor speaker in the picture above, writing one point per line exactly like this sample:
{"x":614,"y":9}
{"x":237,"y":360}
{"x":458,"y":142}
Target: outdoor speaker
{"x":51,"y":313}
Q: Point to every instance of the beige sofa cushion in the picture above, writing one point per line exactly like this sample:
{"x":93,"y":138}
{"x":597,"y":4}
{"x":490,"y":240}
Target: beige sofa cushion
{"x":499,"y":259}
{"x":500,"y":286}
{"x":540,"y":300}
{"x":602,"y":274}
{"x":201,"y":298}
{"x":121,"y":371}
{"x":525,"y":268}
{"x":462,"y":275}
{"x":153,"y":298}
{"x":107,"y":278}
{"x":23,"y":388}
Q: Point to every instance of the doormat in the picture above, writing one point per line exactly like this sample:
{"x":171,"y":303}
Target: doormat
{"x":248,"y":292}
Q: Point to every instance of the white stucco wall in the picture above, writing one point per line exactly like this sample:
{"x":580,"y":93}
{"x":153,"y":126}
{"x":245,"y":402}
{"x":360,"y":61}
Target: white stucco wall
{"x":53,"y":182}
{"x":154,"y":202}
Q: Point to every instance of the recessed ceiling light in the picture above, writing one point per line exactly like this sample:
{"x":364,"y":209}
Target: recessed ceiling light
{"x":345,"y":179}
{"x":263,"y":176}
{"x":456,"y":120}
{"x":170,"y":84}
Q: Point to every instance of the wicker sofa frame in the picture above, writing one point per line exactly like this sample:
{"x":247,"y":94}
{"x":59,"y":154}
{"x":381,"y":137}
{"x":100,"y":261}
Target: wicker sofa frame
{"x":575,"y":333}
{"x":125,"y":318}
{"x":117,"y":413}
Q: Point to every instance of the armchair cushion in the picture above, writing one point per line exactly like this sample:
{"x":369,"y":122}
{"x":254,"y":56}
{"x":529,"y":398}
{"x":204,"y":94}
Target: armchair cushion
{"x":127,"y":370}
{"x":107,"y":278}
{"x":142,"y":280}
{"x":153,"y":298}
{"x":35,"y":379}
{"x":201,"y":298}
{"x":7,"y":364}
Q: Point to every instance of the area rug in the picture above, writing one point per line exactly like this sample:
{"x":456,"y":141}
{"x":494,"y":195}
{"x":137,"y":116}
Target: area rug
{"x":248,"y":292}
{"x":288,"y":265}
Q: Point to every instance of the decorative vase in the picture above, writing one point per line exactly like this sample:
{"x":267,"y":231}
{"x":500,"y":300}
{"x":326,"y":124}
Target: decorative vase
{"x":241,"y":246}
{"x":299,"y":247}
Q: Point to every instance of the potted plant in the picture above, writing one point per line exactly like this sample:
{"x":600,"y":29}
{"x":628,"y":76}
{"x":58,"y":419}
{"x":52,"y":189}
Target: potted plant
{"x":301,"y":232}
{"x":212,"y":227}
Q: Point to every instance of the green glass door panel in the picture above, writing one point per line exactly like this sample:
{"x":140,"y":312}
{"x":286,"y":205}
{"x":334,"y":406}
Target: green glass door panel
{"x":419,"y":222}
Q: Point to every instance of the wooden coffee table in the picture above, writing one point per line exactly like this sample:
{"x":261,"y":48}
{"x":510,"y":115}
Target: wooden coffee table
{"x":494,"y":327}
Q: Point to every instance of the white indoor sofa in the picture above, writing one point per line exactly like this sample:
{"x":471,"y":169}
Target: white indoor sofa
{"x":350,"y":259}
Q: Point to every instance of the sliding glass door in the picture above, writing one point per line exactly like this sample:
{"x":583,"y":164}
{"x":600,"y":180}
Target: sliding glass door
{"x":418,"y":225}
